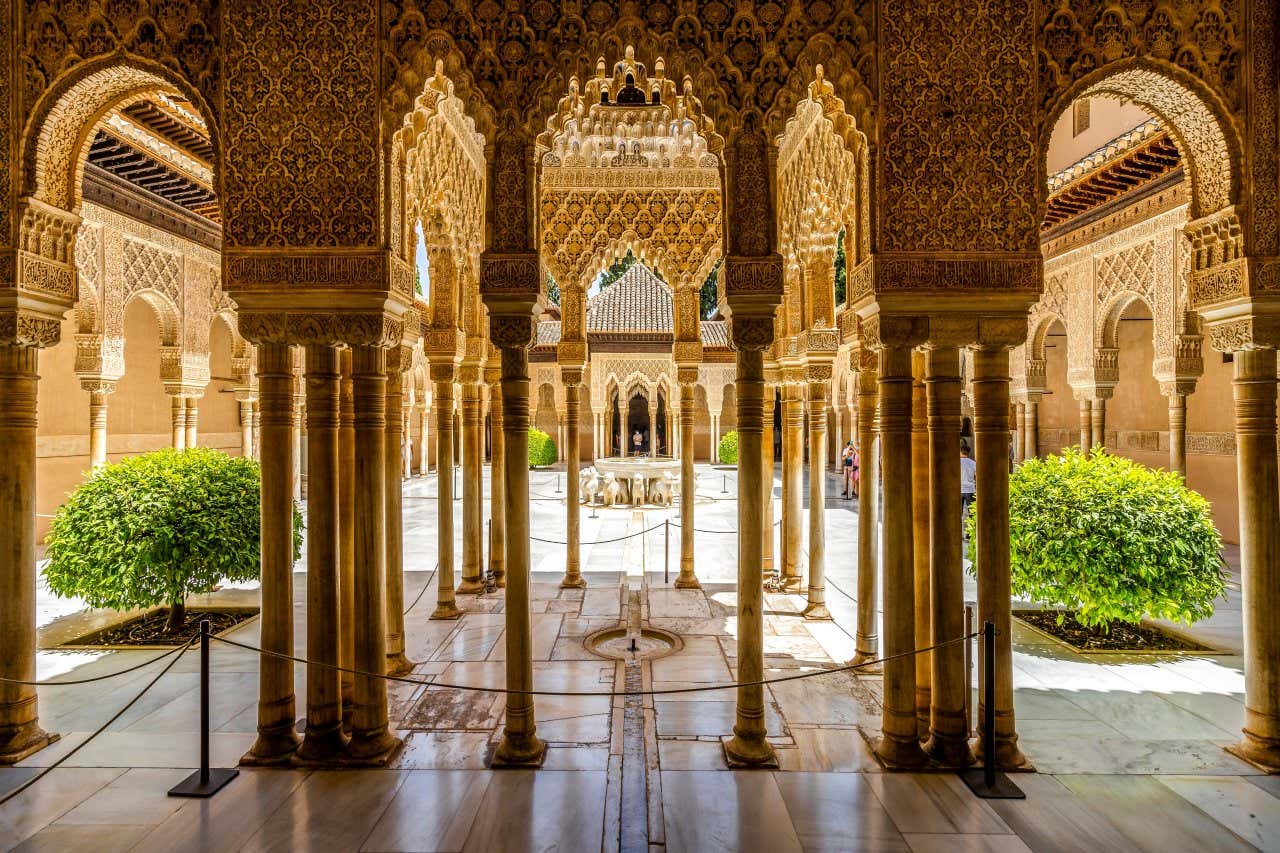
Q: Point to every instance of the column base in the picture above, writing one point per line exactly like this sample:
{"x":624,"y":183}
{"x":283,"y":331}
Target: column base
{"x":1008,"y":757}
{"x":374,"y":749}
{"x":470,"y":586}
{"x":518,"y":751}
{"x":950,"y":752}
{"x":398,"y":665}
{"x":25,"y":740}
{"x":687,"y":581}
{"x":815,"y":611}
{"x":273,"y":748}
{"x":896,"y":753}
{"x":1263,"y":753}
{"x":573,"y":580}
{"x":500,"y":580}
{"x":860,"y":659}
{"x":787,"y":583}
{"x":446,"y":610}
{"x":749,"y":753}
{"x":321,"y":747}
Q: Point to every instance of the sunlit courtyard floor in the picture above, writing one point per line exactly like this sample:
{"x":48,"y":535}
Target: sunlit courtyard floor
{"x":1128,"y":748}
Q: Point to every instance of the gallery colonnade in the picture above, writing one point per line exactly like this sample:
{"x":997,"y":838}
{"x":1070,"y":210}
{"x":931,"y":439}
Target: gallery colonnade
{"x":919,"y":134}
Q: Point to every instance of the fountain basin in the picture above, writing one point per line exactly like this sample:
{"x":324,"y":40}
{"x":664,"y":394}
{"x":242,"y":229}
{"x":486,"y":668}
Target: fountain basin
{"x":615,"y":643}
{"x":631,"y":481}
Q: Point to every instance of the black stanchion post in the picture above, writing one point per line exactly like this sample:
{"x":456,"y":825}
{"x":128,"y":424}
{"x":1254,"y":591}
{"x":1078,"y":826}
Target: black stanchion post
{"x":206,"y":781}
{"x":724,"y":484}
{"x":988,"y":782}
{"x":456,"y":495}
{"x":968,"y":668}
{"x":557,"y":484}
{"x":666,"y":550}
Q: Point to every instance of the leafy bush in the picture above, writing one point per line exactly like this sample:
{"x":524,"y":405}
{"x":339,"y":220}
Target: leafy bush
{"x":155,"y":528}
{"x":728,"y":450}
{"x":1111,"y":539}
{"x":542,"y":448}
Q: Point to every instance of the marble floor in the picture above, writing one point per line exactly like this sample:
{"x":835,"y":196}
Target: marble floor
{"x":1128,"y":749}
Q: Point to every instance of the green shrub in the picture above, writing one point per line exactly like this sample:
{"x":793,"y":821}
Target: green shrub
{"x":1111,"y":539}
{"x":155,"y":528}
{"x":542,"y":448}
{"x":728,"y":450}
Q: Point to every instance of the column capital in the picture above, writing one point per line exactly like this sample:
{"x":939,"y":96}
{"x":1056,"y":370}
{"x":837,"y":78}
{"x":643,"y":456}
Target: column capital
{"x":443,"y":371}
{"x":1178,"y":387}
{"x":1254,"y":331}
{"x":888,"y":330}
{"x":98,"y":384}
{"x":493,"y":372}
{"x":753,"y":333}
{"x":373,"y":327}
{"x":687,"y":374}
{"x":687,"y":352}
{"x":19,"y":327}
{"x":470,"y":374}
{"x":571,"y":354}
{"x":571,"y":375}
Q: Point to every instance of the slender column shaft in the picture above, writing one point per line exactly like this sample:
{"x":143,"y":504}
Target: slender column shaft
{"x":1086,"y":425}
{"x":446,"y":606}
{"x":1255,"y":396}
{"x":1019,"y":430}
{"x":193,"y":417}
{"x":1098,"y":417}
{"x":246,"y":428}
{"x":899,"y":745}
{"x":296,"y":416}
{"x":497,"y":484}
{"x":792,"y":481}
{"x":323,"y":739}
{"x":178,"y":419}
{"x":867,"y":632}
{"x":424,"y":460}
{"x":406,"y":440}
{"x":472,"y":488}
{"x":346,"y":532}
{"x":520,"y":743}
{"x":277,"y":740}
{"x":456,"y":425}
{"x":948,"y":729}
{"x":816,"y":606}
{"x":766,"y":479}
{"x":371,"y":738}
{"x":97,"y":429}
{"x":1032,"y":447}
{"x":572,"y":409}
{"x":20,"y":732}
{"x":653,"y":432}
{"x":688,"y":579}
{"x":748,"y":746}
{"x":1178,"y":433}
{"x":991,"y":446}
{"x":257,"y":436}
{"x":920,"y":537}
{"x":715,"y":439}
{"x":397,"y":663}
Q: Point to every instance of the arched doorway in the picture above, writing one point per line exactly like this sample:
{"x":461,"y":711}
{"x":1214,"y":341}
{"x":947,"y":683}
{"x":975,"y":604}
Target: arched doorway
{"x":637,"y":426}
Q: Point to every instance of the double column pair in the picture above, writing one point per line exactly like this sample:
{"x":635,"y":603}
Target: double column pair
{"x":809,"y":387}
{"x":347,"y":614}
{"x":924,"y":695}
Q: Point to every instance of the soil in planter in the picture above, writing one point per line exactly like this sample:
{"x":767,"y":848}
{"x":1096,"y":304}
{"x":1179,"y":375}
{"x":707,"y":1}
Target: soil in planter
{"x":1120,"y":637}
{"x":149,"y":628}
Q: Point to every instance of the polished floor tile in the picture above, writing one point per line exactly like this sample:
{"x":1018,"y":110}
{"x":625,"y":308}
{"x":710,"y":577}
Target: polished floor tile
{"x":524,"y":810}
{"x":431,"y":810}
{"x":738,"y":810}
{"x":838,"y":811}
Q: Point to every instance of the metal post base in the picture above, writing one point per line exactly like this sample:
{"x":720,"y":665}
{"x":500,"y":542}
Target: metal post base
{"x":192,"y":786}
{"x":1002,"y":787}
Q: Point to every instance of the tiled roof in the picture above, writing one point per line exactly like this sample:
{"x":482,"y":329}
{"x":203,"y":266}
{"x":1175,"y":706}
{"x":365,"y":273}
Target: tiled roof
{"x":548,"y":333}
{"x":715,"y":333}
{"x":637,"y":302}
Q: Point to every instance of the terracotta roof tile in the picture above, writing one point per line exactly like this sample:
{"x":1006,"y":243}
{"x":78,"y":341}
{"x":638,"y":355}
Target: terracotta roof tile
{"x":715,"y":333}
{"x":637,"y":302}
{"x":548,"y":333}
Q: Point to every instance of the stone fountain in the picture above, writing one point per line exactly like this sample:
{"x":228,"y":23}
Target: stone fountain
{"x":631,"y":481}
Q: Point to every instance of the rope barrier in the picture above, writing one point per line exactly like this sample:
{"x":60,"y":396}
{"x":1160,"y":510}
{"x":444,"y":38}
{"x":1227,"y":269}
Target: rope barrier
{"x":117,"y":715}
{"x":426,"y":586}
{"x":96,"y":678}
{"x":598,"y":541}
{"x":604,"y":694}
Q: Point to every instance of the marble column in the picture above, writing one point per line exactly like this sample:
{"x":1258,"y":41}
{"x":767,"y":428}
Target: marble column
{"x":1031,"y":448}
{"x":497,"y":479}
{"x":766,"y":478}
{"x":246,"y":428}
{"x":1086,"y":425}
{"x":424,"y":441}
{"x":991,"y":446}
{"x":792,"y":481}
{"x":688,"y":377}
{"x":193,"y":417}
{"x":346,"y":530}
{"x":442,"y":373}
{"x":819,"y":389}
{"x":715,"y":439}
{"x":323,"y":739}
{"x":920,"y":535}
{"x":948,"y":742}
{"x":1254,"y":387}
{"x":396,"y":661}
{"x":1019,"y":430}
{"x":520,"y":745}
{"x":297,"y":415}
{"x":560,"y":437}
{"x":867,"y":632}
{"x":899,"y":744}
{"x":749,"y":747}
{"x":1178,"y":433}
{"x":406,"y":442}
{"x":98,"y":393}
{"x":572,"y":379}
{"x":472,"y":582}
{"x":653,"y":431}
{"x":371,"y":740}
{"x":277,"y":740}
{"x":1098,"y":421}
{"x":20,"y":732}
{"x":456,"y":424}
{"x":833,"y":443}
{"x":257,"y":431}
{"x":178,"y":422}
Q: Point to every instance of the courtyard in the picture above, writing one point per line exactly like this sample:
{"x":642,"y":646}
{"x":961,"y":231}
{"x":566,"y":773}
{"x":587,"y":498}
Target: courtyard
{"x":1127,"y":749}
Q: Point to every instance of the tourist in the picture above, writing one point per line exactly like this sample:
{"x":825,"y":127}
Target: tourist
{"x":637,"y":440}
{"x":849,"y":469}
{"x":968,"y":482}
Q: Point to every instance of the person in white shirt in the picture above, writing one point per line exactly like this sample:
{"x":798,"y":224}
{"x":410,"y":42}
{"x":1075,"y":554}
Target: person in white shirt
{"x":968,"y":481}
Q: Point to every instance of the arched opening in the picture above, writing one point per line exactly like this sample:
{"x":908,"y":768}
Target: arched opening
{"x":1137,"y":413}
{"x":139,"y":418}
{"x":219,"y":409}
{"x":638,"y":429}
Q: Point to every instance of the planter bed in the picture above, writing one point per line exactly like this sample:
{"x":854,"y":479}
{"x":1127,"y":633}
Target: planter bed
{"x":1122,"y":637}
{"x":146,"y":631}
